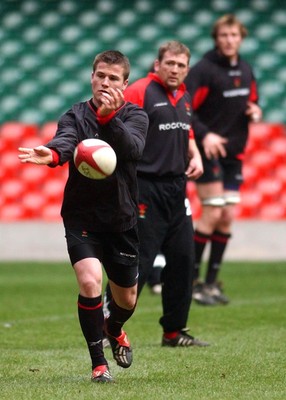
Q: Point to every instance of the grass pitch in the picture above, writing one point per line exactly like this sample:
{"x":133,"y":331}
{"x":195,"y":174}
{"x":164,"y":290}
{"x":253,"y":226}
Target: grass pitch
{"x":43,"y":354}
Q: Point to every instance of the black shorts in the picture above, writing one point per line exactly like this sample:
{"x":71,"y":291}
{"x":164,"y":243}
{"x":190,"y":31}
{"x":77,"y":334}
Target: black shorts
{"x":117,"y":251}
{"x":226,"y":170}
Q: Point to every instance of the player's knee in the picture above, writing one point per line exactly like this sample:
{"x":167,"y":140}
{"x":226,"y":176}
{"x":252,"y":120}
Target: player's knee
{"x":127,"y":299}
{"x":212,"y":214}
{"x":90,"y":287}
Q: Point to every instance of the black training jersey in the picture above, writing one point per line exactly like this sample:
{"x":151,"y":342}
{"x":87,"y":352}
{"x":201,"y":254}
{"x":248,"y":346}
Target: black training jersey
{"x":166,"y":148}
{"x":220,"y":92}
{"x":109,"y":204}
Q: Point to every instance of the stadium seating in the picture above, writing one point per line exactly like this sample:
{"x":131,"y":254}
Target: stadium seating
{"x":263,"y":193}
{"x":48,"y":47}
{"x":47,"y":50}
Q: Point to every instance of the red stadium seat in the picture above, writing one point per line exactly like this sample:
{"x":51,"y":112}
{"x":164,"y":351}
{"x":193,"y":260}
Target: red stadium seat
{"x":10,"y":164}
{"x":250,"y":175}
{"x":260,"y":133}
{"x":31,"y":142}
{"x":263,"y":161}
{"x":270,"y":189}
{"x":33,"y":175}
{"x":195,"y":207}
{"x":282,"y":200}
{"x":278,"y":148}
{"x":47,"y":131}
{"x":33,"y":203}
{"x":12,"y":190}
{"x":11,"y":212}
{"x":13,"y":133}
{"x":274,"y":211}
{"x":51,"y":212}
{"x":280,"y":175}
{"x":251,"y":200}
{"x":53,"y":189}
{"x":191,"y":190}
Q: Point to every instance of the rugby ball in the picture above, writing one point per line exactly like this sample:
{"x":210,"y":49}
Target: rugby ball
{"x":95,"y":159}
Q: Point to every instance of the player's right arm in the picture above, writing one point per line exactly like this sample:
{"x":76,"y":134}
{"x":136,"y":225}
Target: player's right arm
{"x":40,"y":155}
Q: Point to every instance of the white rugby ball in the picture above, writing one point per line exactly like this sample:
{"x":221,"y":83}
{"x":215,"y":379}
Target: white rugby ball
{"x":95,"y":159}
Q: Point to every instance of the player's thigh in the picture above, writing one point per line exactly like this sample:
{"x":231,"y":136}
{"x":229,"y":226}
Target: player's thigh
{"x":89,"y":276}
{"x":211,"y":189}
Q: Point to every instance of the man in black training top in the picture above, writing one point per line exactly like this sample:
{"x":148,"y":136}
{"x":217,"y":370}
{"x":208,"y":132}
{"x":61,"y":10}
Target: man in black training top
{"x":100,"y":216}
{"x":224,"y":100}
{"x":170,"y":157}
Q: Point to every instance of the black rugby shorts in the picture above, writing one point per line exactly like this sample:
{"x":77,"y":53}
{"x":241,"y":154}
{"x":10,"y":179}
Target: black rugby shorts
{"x":226,"y":170}
{"x":117,"y":251}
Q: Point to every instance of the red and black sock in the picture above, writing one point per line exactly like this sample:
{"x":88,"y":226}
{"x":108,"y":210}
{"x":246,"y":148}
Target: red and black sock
{"x":91,"y":321}
{"x":219,"y":242}
{"x":201,"y":240}
{"x":118,"y":316}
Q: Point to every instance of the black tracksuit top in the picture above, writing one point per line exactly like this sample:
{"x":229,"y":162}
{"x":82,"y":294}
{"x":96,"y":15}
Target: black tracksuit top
{"x":110,"y":204}
{"x":166,"y":149}
{"x":219,"y":94}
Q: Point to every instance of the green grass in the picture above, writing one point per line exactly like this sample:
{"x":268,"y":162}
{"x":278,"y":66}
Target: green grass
{"x":43,"y":354}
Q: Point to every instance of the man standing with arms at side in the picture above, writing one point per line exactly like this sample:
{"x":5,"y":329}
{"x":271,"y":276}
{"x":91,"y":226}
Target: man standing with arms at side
{"x":170,"y":157}
{"x":224,"y":100}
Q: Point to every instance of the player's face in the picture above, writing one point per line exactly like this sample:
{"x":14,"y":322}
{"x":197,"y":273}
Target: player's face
{"x":107,"y":76}
{"x":228,"y":41}
{"x":172,"y":69}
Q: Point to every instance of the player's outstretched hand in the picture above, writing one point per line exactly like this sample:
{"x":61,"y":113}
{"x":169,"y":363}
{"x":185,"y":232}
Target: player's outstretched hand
{"x":39,"y":155}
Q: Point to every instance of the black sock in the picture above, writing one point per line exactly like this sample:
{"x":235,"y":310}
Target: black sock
{"x":201,"y":240}
{"x":219,"y":242}
{"x":118,"y":316}
{"x":91,"y":321}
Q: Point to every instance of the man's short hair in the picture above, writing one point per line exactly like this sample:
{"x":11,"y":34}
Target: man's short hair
{"x":230,"y":20}
{"x":174,"y":47}
{"x":113,"y":57}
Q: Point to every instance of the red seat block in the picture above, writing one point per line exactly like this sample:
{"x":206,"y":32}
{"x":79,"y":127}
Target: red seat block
{"x":53,"y":189}
{"x":10,"y":164}
{"x":278,"y":149}
{"x":33,"y":203}
{"x":264,"y":162}
{"x":13,"y":133}
{"x":273,"y":211}
{"x":250,"y":174}
{"x":33,"y":174}
{"x":51,"y":212}
{"x":270,"y":189}
{"x":12,"y":190}
{"x":11,"y":212}
{"x":251,"y":200}
{"x":48,"y":131}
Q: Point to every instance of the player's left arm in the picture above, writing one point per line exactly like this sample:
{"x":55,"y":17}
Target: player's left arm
{"x":195,"y":167}
{"x":253,"y":111}
{"x":126,"y":132}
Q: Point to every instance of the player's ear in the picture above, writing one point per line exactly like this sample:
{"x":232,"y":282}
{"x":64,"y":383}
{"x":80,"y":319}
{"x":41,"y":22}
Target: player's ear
{"x":125,"y":84}
{"x":156,"y":65}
